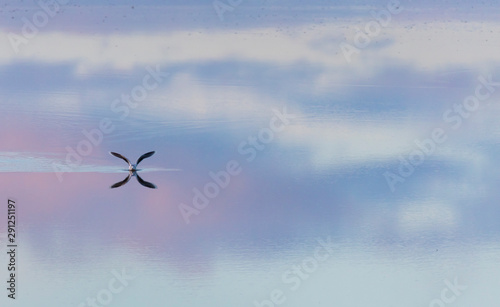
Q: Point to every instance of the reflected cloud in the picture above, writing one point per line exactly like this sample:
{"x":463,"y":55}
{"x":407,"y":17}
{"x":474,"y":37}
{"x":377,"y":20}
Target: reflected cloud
{"x":415,"y":218}
{"x":123,"y":52}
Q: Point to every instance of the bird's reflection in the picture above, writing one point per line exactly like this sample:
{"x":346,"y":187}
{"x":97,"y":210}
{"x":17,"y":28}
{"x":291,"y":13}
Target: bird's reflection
{"x":132,"y":170}
{"x":130,"y":175}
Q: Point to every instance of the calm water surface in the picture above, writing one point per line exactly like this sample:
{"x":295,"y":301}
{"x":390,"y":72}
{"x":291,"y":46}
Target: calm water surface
{"x":325,"y":210}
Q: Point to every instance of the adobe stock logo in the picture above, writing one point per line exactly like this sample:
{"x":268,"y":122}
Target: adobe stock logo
{"x":48,"y":9}
{"x":121,"y":106}
{"x":362,"y":39}
{"x":221,"y":179}
{"x":221,"y":8}
{"x":298,"y":273}
{"x":116,"y":285}
{"x":449,"y":294}
{"x":454,"y":117}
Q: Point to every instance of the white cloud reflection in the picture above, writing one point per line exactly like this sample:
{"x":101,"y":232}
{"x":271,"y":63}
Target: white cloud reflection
{"x":418,"y":217}
{"x":446,"y":44}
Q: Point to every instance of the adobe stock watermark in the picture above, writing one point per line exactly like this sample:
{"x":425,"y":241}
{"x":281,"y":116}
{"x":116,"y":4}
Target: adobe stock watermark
{"x":449,"y":293}
{"x":115,"y":286}
{"x":120,"y":106}
{"x":221,"y":180}
{"x":48,"y":9}
{"x":222,"y":7}
{"x":454,"y":117}
{"x":362,"y":39}
{"x":298,"y":273}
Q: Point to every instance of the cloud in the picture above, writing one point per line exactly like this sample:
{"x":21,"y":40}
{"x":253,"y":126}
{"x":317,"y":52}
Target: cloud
{"x":427,"y":216}
{"x":190,"y":98}
{"x":445,"y":44}
{"x":336,"y":145}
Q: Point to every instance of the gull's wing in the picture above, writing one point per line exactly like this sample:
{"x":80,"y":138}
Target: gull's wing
{"x":145,"y":183}
{"x":121,"y":157}
{"x":144,"y":156}
{"x":119,"y":184}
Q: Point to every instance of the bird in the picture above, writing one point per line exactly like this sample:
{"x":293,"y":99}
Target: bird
{"x":133,"y":167}
{"x":132,"y":171}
